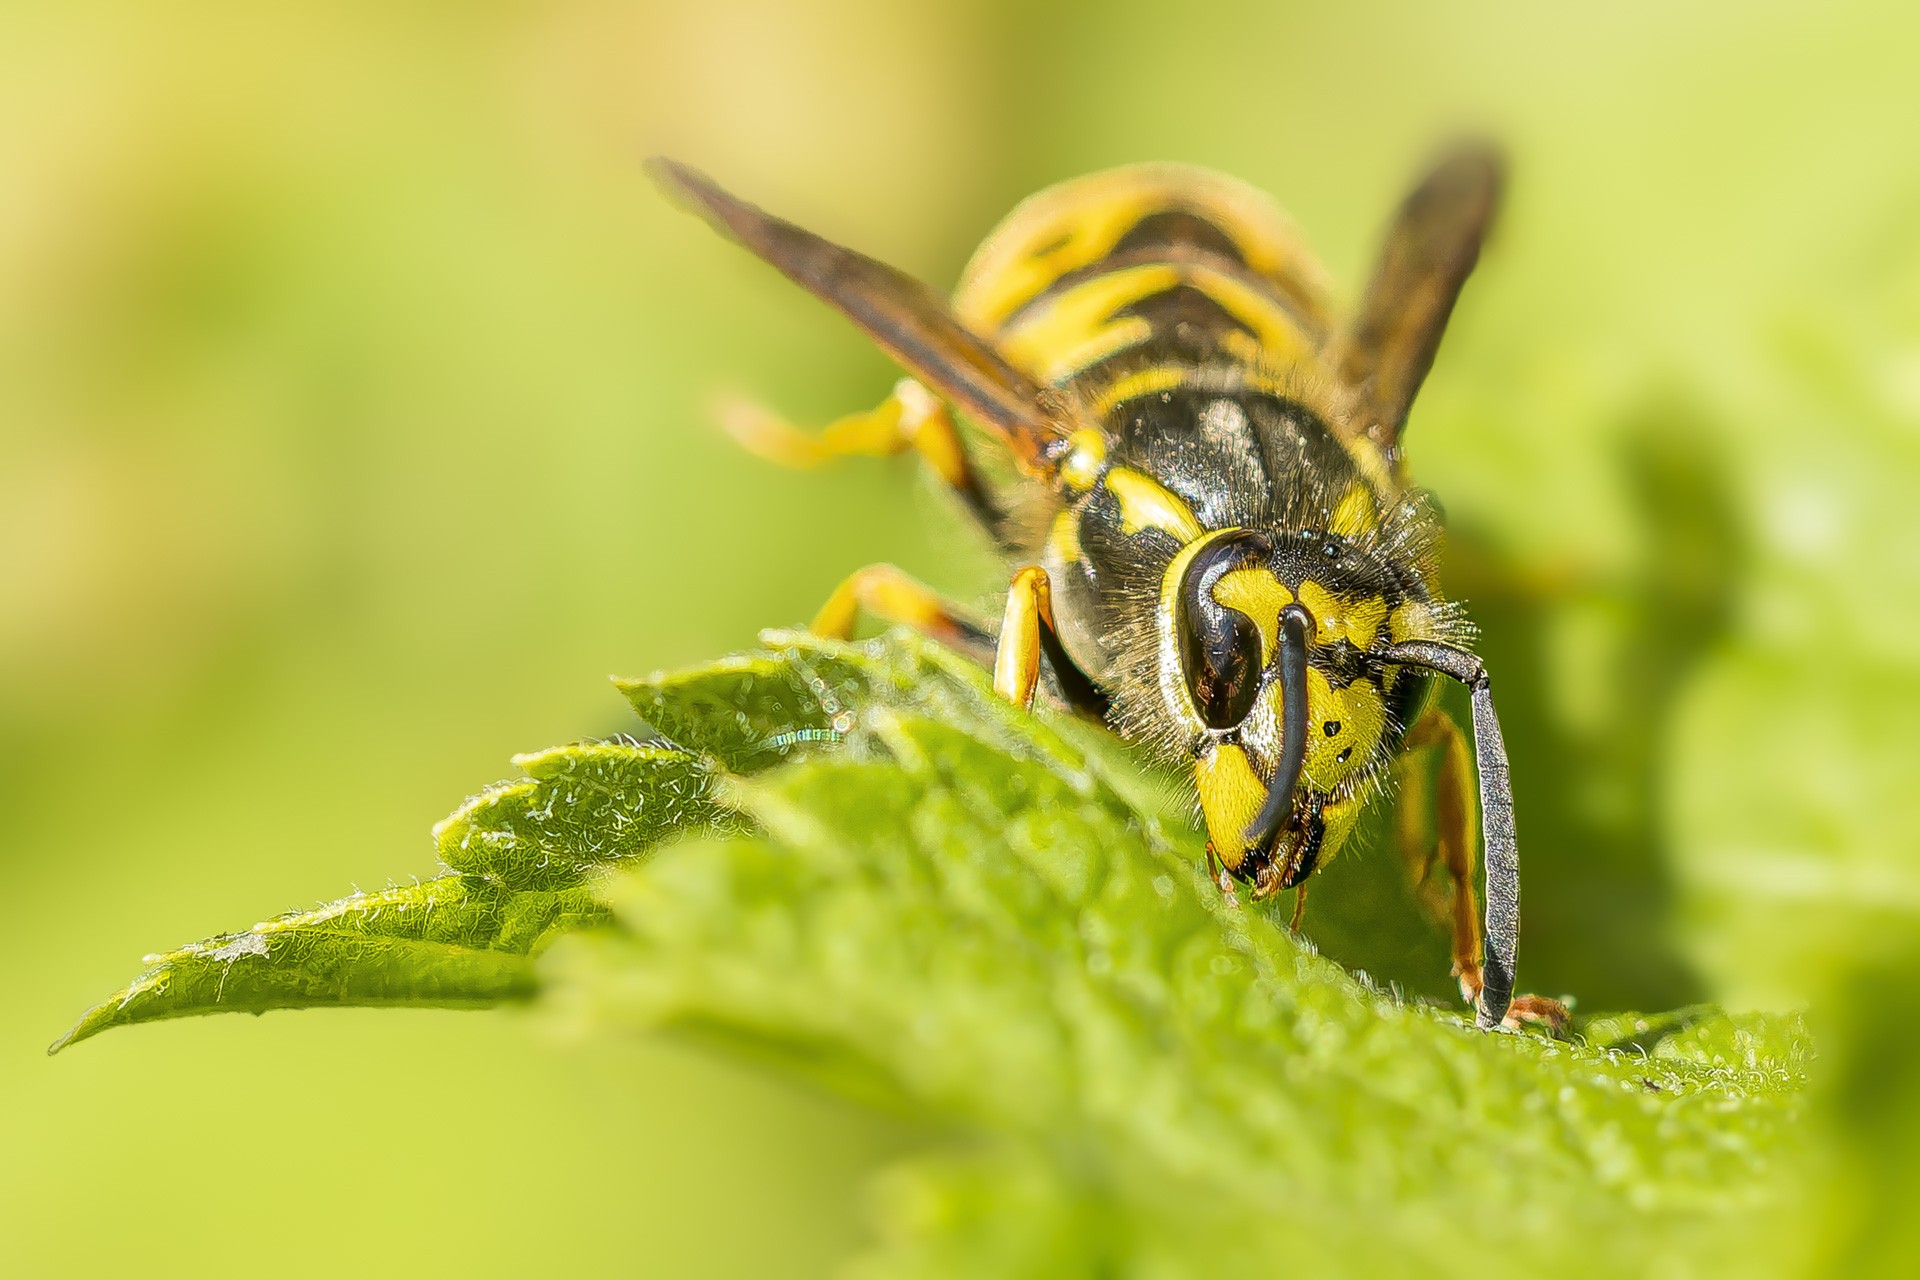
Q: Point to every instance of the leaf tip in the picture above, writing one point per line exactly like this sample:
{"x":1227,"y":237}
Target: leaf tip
{"x":91,"y":1023}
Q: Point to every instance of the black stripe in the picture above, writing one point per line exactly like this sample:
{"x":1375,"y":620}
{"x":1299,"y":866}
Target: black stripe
{"x":1173,"y":228}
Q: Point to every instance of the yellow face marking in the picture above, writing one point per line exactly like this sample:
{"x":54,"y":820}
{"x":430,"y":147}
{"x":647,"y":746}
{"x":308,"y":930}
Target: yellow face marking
{"x":1079,"y":327}
{"x":1340,"y":817}
{"x":1086,"y":453}
{"x":1230,"y":799}
{"x":1355,"y":514}
{"x":1144,"y":504}
{"x":1339,"y":618}
{"x":1357,"y":716}
{"x":1255,"y":592}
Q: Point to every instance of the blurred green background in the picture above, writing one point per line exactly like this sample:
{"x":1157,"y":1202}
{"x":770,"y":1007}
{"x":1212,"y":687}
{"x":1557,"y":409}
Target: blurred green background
{"x":352,"y":430}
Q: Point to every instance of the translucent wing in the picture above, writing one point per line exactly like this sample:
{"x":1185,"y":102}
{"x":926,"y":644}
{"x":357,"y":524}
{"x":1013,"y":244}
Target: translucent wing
{"x":1385,"y":352}
{"x":909,"y":321}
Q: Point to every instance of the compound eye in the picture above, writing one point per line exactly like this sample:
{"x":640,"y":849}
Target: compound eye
{"x":1220,"y":647}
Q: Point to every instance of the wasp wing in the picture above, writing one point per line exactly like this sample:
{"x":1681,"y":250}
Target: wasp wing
{"x":1384,"y":353}
{"x":908,"y":320}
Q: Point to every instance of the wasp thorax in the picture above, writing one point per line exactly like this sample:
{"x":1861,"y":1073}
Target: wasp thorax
{"x":1220,"y":647}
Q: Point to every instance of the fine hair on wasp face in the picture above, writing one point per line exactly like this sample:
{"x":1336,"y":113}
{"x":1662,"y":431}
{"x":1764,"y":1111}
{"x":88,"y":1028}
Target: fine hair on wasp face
{"x":1199,"y":663}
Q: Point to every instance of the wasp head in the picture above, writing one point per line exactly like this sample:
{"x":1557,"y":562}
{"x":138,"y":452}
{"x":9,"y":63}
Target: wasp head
{"x":1264,"y":660}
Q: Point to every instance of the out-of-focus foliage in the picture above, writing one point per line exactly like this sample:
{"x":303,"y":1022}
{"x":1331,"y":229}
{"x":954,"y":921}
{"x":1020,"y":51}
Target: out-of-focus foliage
{"x":351,"y":429}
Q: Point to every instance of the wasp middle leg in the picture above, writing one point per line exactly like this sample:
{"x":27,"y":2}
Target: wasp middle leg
{"x":890,"y":594}
{"x":1026,"y":647}
{"x":911,"y":418}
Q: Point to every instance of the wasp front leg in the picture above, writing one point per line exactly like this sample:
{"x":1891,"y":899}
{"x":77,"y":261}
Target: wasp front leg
{"x":1452,"y":805}
{"x":1027,"y":642}
{"x":911,"y":418}
{"x":1024,"y":627}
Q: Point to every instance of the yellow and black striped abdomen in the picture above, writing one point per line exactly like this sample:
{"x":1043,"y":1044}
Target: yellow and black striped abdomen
{"x":1095,"y":277}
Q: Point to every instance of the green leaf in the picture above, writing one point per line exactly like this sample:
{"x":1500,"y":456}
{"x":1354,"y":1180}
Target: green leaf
{"x":581,"y":807}
{"x":945,"y":906}
{"x":519,"y":856}
{"x":958,"y":915}
{"x":805,"y":696}
{"x":448,"y":942}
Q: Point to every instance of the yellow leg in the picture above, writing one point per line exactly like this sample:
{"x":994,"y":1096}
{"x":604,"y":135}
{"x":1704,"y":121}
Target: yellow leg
{"x":886,"y":593}
{"x":1454,"y":809}
{"x":910,"y":418}
{"x":1026,"y":629}
{"x":1016,"y":663}
{"x":1411,"y":813}
{"x":1455,"y":813}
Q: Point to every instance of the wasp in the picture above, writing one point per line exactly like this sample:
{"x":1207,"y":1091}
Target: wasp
{"x":1196,"y":465}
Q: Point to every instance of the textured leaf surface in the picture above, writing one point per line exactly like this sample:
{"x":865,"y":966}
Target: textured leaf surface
{"x":518,"y":856}
{"x":946,"y":907}
{"x":955,"y":917}
{"x":804,"y":696}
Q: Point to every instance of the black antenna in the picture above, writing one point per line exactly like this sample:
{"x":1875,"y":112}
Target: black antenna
{"x":1292,"y":659}
{"x":1502,"y":856}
